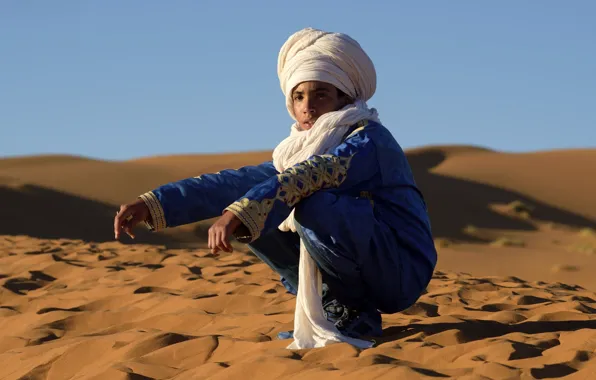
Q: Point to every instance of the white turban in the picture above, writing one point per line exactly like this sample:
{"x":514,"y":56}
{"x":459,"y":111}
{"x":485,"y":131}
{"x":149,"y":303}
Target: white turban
{"x":334,"y":58}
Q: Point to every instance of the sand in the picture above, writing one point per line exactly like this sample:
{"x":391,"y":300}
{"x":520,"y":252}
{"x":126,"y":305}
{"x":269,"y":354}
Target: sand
{"x":513,"y":296}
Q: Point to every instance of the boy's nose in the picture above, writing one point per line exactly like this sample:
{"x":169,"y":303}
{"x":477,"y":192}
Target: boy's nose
{"x":309,"y":107}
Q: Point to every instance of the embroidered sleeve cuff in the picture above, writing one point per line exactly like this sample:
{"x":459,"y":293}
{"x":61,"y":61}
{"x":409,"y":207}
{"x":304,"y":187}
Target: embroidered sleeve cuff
{"x":157,"y":214}
{"x":251,"y":221}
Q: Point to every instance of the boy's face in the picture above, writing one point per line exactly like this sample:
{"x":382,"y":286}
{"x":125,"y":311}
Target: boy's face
{"x":313,"y":99}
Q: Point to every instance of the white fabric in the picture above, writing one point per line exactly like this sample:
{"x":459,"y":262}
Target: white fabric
{"x":334,"y":58}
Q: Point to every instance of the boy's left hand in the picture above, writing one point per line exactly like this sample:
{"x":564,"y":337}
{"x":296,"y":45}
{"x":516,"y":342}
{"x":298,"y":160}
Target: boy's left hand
{"x":221,"y":231}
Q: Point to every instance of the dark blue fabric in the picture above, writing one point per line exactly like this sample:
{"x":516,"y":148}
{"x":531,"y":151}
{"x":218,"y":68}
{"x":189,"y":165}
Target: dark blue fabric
{"x":281,"y":251}
{"x":204,"y":197}
{"x":359,"y":276}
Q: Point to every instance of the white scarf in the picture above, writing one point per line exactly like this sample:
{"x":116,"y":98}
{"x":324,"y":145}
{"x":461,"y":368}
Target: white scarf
{"x":337,"y":59}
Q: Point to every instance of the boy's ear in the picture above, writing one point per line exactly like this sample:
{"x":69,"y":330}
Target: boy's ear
{"x":346,"y":100}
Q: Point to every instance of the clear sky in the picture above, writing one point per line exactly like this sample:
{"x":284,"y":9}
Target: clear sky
{"x":121,"y":79}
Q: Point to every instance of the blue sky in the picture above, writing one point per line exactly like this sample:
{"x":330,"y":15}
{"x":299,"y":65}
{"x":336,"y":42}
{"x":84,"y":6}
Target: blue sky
{"x":122,"y":79}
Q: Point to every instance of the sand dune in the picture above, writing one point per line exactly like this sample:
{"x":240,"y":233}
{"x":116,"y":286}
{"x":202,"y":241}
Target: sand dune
{"x":513,"y":297}
{"x":457,"y":195}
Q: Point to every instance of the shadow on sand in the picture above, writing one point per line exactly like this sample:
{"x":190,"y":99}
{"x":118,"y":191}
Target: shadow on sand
{"x":44,"y":213}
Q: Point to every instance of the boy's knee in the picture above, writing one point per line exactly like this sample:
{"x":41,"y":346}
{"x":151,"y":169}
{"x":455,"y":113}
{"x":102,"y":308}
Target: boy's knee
{"x":311,"y":210}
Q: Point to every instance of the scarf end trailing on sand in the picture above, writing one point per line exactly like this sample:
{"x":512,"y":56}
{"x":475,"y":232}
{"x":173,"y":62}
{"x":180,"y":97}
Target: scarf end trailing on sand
{"x":311,"y":327}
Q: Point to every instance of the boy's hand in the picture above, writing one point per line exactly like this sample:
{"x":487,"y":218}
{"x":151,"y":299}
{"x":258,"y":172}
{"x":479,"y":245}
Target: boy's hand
{"x":129,"y":216}
{"x":221,"y":231}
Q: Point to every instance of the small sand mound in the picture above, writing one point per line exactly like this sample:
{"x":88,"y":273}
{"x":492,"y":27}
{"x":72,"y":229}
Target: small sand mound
{"x":565,"y":268}
{"x":520,"y":209}
{"x":583,"y":248}
{"x":508,"y":242}
{"x":443,"y":243}
{"x":471,"y":230}
{"x":587,"y":232}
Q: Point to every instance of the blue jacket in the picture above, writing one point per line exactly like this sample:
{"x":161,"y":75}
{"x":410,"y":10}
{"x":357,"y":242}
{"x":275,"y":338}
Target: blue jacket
{"x":368,"y":163}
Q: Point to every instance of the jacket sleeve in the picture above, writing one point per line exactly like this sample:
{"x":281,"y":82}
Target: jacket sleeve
{"x":203,"y":197}
{"x":266,"y":205}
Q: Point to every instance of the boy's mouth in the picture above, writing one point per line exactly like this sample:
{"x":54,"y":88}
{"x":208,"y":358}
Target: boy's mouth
{"x":308,"y":123}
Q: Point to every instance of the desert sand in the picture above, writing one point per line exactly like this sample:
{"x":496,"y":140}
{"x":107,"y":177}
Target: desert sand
{"x":513,"y":296}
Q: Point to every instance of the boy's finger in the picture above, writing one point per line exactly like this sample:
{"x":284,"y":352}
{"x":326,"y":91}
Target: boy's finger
{"x":118,"y":221}
{"x":219,"y":242}
{"x":117,"y":227}
{"x":128,"y":230}
{"x":210,"y":239}
{"x":226,"y":244}
{"x":215,"y":242}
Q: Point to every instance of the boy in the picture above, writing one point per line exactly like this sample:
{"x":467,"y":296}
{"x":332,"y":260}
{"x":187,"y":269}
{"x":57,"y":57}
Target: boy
{"x":337,"y":207}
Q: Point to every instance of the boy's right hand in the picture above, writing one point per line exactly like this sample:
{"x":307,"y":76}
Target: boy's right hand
{"x":129,"y":216}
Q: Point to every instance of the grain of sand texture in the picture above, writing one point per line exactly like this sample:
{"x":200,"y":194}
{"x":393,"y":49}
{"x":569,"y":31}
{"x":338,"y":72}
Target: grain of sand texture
{"x":513,"y":296}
